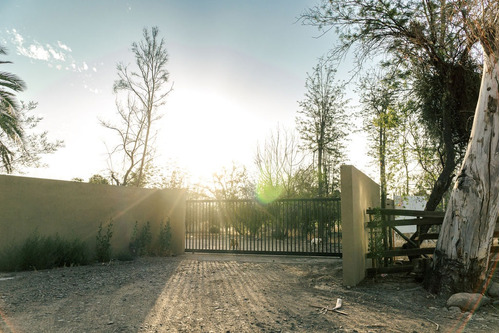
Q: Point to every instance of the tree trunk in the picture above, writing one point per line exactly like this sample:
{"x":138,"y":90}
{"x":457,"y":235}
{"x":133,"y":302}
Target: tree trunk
{"x":462,"y":252}
{"x":382,"y":155}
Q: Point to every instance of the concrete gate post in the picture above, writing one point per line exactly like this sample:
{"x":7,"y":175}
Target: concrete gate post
{"x":358,"y":193}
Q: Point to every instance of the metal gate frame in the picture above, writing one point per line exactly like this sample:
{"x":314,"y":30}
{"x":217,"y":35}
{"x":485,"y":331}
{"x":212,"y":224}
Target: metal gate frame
{"x":288,"y":226}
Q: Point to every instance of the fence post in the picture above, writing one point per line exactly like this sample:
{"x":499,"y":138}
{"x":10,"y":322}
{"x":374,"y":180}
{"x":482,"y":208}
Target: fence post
{"x":358,"y":192}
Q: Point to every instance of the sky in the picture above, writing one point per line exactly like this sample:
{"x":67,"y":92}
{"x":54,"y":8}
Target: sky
{"x":238,"y":70}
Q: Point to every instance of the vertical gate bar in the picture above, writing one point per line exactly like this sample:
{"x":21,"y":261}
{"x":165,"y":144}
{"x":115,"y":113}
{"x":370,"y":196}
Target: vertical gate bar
{"x":188,"y":205}
{"x":285,"y":216}
{"x":319,"y":210}
{"x":209,"y":233}
{"x":273,"y":232}
{"x":196,"y":225}
{"x":317,"y":205}
{"x":197,"y":234}
{"x":193,"y":221}
{"x":265,"y":216}
{"x":313,"y":218}
{"x":243,"y":222}
{"x":213,"y":232}
{"x":284,"y":222}
{"x":262,"y":226}
{"x":276,"y":220}
{"x":336,"y":229}
{"x":187,"y":226}
{"x":297,"y":223}
{"x":306,"y":211}
{"x":219,"y":233}
{"x":255,"y":224}
{"x":223,"y":215}
{"x":293,"y":218}
{"x":205,"y":238}
{"x":242,"y":228}
{"x":339,"y":227}
{"x":324,"y":232}
{"x":287,"y":219}
{"x":229,"y":228}
{"x":305,"y":226}
{"x":202,"y":227}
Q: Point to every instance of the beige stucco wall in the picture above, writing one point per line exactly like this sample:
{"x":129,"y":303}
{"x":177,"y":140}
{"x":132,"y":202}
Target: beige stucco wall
{"x":75,"y":210}
{"x":358,"y":193}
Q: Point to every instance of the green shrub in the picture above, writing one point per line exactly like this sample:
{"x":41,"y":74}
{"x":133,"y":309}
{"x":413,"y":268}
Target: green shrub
{"x":44,"y":252}
{"x":376,"y":242}
{"x":140,"y":244}
{"x":165,"y":239}
{"x":103,"y":243}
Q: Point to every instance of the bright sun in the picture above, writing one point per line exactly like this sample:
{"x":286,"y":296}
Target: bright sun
{"x":204,"y":132}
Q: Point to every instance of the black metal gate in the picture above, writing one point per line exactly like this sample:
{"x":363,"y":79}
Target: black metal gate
{"x":287,"y":226}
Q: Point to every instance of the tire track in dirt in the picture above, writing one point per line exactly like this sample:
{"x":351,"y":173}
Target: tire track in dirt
{"x":246,"y":298}
{"x":167,"y":312}
{"x":227,"y":297}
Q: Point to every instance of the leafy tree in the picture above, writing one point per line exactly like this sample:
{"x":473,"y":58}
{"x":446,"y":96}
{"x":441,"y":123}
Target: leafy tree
{"x":27,"y":151}
{"x":170,"y":177}
{"x":10,"y":84}
{"x":11,"y":129}
{"x":280,"y":162}
{"x":378,"y":97}
{"x":437,"y":38}
{"x":98,"y":179}
{"x":462,"y":257}
{"x":424,"y":37}
{"x":322,"y":124}
{"x":19,"y":146}
{"x":231,"y":183}
{"x":146,"y":90}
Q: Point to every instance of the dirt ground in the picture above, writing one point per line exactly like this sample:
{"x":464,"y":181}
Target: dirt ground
{"x":224,"y":293}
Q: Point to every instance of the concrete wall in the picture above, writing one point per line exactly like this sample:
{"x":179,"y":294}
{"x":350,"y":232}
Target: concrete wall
{"x":358,"y":193}
{"x":75,"y":210}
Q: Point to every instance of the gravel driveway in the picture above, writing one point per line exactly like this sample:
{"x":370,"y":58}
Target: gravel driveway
{"x":222,"y":293}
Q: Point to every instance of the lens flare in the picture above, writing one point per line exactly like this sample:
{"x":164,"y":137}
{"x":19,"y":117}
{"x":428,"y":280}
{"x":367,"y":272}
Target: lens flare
{"x":267,"y":193}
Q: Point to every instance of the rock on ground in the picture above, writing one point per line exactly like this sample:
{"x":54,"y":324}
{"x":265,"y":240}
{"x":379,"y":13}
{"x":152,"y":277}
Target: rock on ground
{"x":493,"y":290}
{"x":467,"y":301}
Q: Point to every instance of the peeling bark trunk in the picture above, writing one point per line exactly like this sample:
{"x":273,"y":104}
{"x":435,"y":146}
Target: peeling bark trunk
{"x":463,"y":249}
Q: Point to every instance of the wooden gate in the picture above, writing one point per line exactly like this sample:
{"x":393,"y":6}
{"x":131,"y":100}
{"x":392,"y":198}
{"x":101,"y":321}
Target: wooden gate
{"x":383,"y":249}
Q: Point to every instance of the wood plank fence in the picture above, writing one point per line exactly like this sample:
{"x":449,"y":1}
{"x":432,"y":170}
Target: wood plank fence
{"x":384,"y":250}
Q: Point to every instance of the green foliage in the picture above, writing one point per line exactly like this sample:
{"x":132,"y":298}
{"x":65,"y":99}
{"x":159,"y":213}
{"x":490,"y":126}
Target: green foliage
{"x":165,"y":239}
{"x":98,"y":179}
{"x":376,"y":245}
{"x":20,"y":145}
{"x":44,"y":252}
{"x":430,"y":40}
{"x":231,"y":183}
{"x":322,"y":123}
{"x":103,"y":243}
{"x":140,"y":244}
